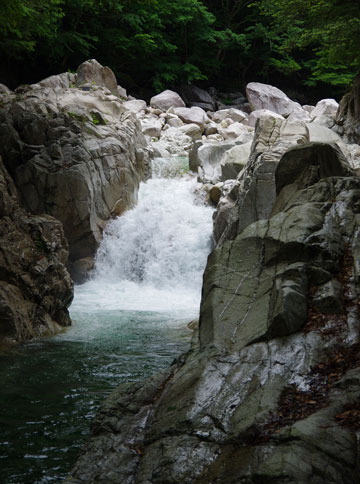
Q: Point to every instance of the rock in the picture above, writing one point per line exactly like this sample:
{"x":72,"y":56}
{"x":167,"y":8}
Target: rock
{"x":35,"y":287}
{"x":262,"y":113}
{"x":236,"y":131}
{"x":269,"y":391}
{"x":135,"y":105}
{"x":80,"y":270}
{"x":175,"y":141}
{"x":191,"y":130}
{"x":309,"y":109}
{"x":299,"y":115}
{"x":122,"y":93}
{"x":321,"y":134}
{"x":63,"y":81}
{"x":167,"y":99}
{"x":325,"y":107}
{"x":209,"y":156}
{"x":74,"y":155}
{"x":234,"y":114}
{"x":328,"y":298}
{"x":255,"y":194}
{"x":4,"y":89}
{"x":215,"y":194}
{"x":348,"y":115}
{"x":173,"y":120}
{"x":264,"y":96}
{"x":351,"y":153}
{"x":193,"y":115}
{"x":310,"y":162}
{"x":159,"y":151}
{"x":194,"y":96}
{"x":91,"y":72}
{"x":151,"y":127}
{"x":193,"y":156}
{"x":210,"y":128}
{"x":234,"y":161}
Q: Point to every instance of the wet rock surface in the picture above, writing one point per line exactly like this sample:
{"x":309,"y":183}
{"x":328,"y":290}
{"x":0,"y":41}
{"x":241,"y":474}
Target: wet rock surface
{"x":269,"y":391}
{"x":74,"y":153}
{"x":35,"y":287}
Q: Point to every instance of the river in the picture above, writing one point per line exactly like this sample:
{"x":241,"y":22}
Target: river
{"x":129,"y":321}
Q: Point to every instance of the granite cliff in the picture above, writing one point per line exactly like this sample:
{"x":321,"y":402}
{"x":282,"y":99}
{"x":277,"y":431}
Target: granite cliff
{"x":269,"y":391}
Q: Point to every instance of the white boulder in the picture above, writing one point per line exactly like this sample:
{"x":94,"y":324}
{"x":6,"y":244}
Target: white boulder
{"x":321,"y":134}
{"x":135,"y":105}
{"x":325,"y":107}
{"x":194,"y":115}
{"x":236,"y":131}
{"x":262,"y":113}
{"x":234,"y":161}
{"x":167,"y":99}
{"x":236,"y":115}
{"x":264,"y":96}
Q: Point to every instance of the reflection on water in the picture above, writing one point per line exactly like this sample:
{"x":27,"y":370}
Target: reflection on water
{"x":52,"y":388}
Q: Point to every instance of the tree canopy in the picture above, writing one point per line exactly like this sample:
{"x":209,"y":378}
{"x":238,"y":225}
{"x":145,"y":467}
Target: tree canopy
{"x":161,"y":43}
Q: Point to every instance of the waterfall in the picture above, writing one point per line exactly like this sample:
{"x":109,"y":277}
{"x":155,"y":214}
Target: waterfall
{"x":153,"y":256}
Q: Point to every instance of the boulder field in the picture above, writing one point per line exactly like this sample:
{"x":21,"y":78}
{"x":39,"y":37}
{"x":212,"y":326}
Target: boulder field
{"x":269,"y":391}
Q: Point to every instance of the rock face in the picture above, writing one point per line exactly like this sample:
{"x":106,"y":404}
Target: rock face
{"x":254,"y":195}
{"x":91,"y":72}
{"x":76,"y":155}
{"x":348,"y":116}
{"x":35,"y":287}
{"x":270,"y":390}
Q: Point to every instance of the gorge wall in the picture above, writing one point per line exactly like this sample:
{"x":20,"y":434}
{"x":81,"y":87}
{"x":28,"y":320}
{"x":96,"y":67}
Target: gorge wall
{"x":72,"y":157}
{"x":269,"y":391}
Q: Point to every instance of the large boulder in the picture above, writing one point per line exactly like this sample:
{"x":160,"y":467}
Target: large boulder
{"x":76,"y":155}
{"x":92,"y":72}
{"x":206,"y":158}
{"x":256,"y":190}
{"x":235,"y":115}
{"x":236,"y":131}
{"x":195,"y":96}
{"x":234,"y":160}
{"x":264,"y":96}
{"x":322,"y":134}
{"x":135,"y":105}
{"x":4,"y":89}
{"x":270,"y":389}
{"x":262,"y":113}
{"x":325,"y":107}
{"x":167,"y":99}
{"x":35,"y":287}
{"x":194,"y":115}
{"x":348,"y":115}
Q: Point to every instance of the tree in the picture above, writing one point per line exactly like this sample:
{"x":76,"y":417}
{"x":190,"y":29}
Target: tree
{"x":24,"y":22}
{"x":327,"y":32}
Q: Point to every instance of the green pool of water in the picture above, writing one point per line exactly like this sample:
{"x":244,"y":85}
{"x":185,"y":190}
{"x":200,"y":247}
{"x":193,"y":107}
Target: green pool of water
{"x":51,"y":388}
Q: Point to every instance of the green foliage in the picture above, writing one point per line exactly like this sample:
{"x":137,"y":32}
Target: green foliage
{"x":328,"y":31}
{"x":162,"y":43}
{"x":24,"y":22}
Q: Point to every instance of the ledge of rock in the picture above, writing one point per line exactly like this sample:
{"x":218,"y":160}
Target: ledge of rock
{"x":74,"y":153}
{"x":269,"y":391}
{"x":35,"y":287}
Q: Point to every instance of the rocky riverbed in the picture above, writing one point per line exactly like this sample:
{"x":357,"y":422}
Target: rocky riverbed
{"x":269,"y":391}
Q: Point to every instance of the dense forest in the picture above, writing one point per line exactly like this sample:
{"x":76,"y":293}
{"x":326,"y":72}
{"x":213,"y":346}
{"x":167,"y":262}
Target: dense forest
{"x":307,"y":46}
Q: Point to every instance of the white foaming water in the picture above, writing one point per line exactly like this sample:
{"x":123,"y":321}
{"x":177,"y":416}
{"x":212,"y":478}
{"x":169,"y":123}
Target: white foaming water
{"x":152,"y":258}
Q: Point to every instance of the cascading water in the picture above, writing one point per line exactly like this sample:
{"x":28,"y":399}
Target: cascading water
{"x":129,"y":321}
{"x":152,"y":258}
